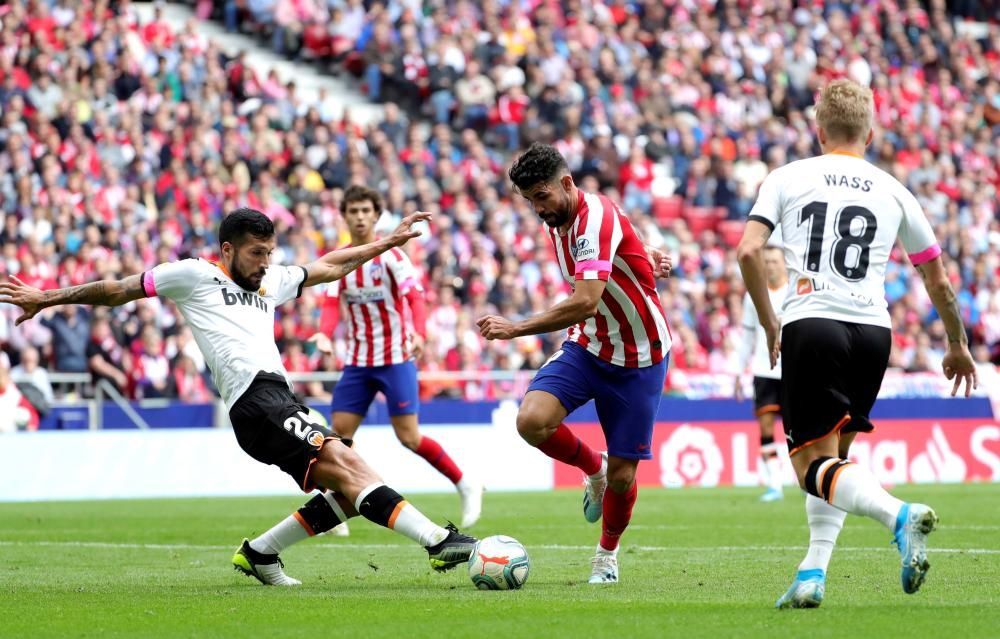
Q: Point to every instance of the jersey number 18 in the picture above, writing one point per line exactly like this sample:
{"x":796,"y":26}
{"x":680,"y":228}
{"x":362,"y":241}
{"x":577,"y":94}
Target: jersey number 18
{"x":814,"y":214}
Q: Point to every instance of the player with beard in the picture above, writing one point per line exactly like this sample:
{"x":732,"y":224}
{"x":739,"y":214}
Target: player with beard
{"x":384,"y":313}
{"x":615,"y":352}
{"x":230,"y":308}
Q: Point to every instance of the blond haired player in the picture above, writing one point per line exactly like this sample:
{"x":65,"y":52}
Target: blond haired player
{"x":840,"y":217}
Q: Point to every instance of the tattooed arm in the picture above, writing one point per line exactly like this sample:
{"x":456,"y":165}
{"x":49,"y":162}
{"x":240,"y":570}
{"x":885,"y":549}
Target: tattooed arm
{"x":958,"y":363}
{"x":336,"y":264}
{"x":102,"y":293}
{"x":943,"y":296}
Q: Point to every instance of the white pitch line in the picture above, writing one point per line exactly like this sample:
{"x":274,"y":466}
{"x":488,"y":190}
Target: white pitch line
{"x":349,"y":546}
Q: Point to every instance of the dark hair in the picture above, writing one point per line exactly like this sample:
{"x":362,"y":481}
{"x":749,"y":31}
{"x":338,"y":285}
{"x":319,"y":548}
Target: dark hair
{"x":359,"y":193}
{"x":242,"y":222}
{"x":540,"y":163}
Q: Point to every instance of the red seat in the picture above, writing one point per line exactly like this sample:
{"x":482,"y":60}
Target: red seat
{"x":667,"y":209}
{"x":731,"y":232}
{"x":701,"y":219}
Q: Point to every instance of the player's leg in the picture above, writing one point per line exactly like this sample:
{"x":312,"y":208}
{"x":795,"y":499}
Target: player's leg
{"x":616,"y":513}
{"x":913,"y":521}
{"x":399,"y":384}
{"x":813,"y":402}
{"x":626,"y":407}
{"x":767,"y":407}
{"x":825,"y":522}
{"x":259,"y":557}
{"x":561,"y":386}
{"x":274,"y":428}
{"x":345,"y":425}
{"x":352,"y":397}
{"x":823,"y":473}
{"x":340,"y":468}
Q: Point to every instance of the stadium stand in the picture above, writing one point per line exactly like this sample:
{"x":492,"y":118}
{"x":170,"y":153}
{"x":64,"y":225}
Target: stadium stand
{"x":122,"y":144}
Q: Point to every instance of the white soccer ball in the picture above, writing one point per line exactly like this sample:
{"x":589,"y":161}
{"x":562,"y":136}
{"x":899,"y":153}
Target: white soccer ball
{"x":499,"y":563}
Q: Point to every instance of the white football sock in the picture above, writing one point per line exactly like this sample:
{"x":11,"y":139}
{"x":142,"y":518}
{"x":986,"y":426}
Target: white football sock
{"x":858,"y":492}
{"x":464,"y":485}
{"x":772,"y":465}
{"x":601,"y":550}
{"x":412,"y":523}
{"x":282,"y":535}
{"x":825,"y":523}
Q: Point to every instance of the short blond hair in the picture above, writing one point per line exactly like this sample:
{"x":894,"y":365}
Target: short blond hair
{"x":845,"y":111}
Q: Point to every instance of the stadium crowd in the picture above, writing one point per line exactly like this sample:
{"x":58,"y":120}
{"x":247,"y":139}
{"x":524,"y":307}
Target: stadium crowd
{"x":122,"y":145}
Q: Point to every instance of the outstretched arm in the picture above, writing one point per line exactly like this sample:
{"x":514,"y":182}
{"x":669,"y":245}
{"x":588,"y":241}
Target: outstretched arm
{"x":102,"y":293}
{"x":579,"y":306}
{"x":957,"y":363}
{"x":336,"y":264}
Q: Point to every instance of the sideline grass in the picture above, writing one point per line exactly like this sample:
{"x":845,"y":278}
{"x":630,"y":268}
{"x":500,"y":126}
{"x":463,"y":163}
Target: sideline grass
{"x":696,"y":563}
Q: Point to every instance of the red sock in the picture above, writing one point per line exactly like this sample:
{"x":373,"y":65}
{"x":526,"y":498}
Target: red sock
{"x":436,"y":457}
{"x":566,"y":447}
{"x":616,"y":515}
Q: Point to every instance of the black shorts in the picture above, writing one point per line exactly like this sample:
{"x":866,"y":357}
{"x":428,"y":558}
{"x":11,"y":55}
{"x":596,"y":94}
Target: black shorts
{"x":766,"y":395}
{"x":274,"y":427}
{"x":831,"y":373}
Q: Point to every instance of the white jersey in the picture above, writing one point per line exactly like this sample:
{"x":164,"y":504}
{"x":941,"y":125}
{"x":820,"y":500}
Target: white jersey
{"x":760,"y":363}
{"x":378,"y":331}
{"x":234,"y":328}
{"x":840,"y":217}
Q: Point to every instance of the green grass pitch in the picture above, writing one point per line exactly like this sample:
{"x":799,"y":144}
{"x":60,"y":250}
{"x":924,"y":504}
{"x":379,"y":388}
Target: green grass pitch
{"x":697,"y":562}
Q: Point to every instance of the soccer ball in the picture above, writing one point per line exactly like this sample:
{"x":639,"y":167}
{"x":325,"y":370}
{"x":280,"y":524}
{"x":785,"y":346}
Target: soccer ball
{"x":499,"y":563}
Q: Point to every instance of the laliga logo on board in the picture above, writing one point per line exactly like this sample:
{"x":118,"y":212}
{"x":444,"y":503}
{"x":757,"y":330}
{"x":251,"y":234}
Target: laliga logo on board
{"x":690,"y":456}
{"x":939,"y":463}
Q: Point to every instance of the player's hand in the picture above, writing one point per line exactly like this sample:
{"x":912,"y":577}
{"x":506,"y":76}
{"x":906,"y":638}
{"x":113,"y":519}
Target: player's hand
{"x":959,"y":365}
{"x":29,"y":298}
{"x":773,"y":332}
{"x":417,"y":346}
{"x":662,"y":264}
{"x":496,"y":327}
{"x":404,"y":232}
{"x":323,"y":343}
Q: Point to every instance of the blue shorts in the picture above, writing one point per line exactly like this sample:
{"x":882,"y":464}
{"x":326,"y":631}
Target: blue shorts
{"x":356,"y":389}
{"x":626,"y":399}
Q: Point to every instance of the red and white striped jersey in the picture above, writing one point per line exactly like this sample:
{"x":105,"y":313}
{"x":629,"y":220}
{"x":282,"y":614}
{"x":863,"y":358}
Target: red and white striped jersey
{"x":629,"y":328}
{"x":379,"y":328}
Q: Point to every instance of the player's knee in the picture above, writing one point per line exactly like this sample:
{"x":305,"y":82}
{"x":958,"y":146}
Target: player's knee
{"x":343,"y":429}
{"x":409,"y":439}
{"x":532,"y":426}
{"x":620,"y":478}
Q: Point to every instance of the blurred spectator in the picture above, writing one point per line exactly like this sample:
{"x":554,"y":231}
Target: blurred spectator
{"x":70,"y":326}
{"x":16,"y":412}
{"x":106,"y":359}
{"x":151,"y":370}
{"x":188,"y":383}
{"x":29,"y":371}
